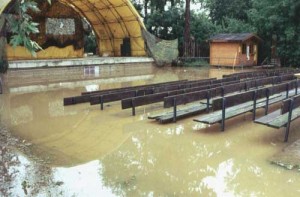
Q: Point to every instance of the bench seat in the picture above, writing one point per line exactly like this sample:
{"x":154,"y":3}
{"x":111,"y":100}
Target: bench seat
{"x":231,"y":112}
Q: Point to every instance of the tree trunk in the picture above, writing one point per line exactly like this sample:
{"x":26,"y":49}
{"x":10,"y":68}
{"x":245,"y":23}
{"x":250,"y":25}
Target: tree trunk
{"x":187,"y":30}
{"x":146,"y":8}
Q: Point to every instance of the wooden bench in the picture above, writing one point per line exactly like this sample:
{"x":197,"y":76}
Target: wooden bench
{"x":134,"y":102}
{"x":175,"y":100}
{"x":136,"y":90}
{"x":136,"y":87}
{"x":85,"y":96}
{"x":230,"y":106}
{"x":283,"y":117}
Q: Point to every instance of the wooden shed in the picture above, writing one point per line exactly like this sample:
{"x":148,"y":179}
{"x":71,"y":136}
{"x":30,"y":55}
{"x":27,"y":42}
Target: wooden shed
{"x":240,"y":49}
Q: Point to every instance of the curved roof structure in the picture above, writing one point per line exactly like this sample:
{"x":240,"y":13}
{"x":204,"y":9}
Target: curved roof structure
{"x":112,"y":21}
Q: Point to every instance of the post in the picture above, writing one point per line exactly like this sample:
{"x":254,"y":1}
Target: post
{"x":287,"y":90}
{"x":296,"y":87}
{"x":254,"y":105}
{"x":133,"y":107}
{"x":222,"y":91}
{"x":207,"y":101}
{"x":101,"y":102}
{"x":289,"y":120}
{"x":174,"y":110}
{"x":223,"y":114}
{"x":267,"y":101}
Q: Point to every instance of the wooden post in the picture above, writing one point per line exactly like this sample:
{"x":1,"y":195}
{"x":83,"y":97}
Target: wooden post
{"x":174,"y":110}
{"x":254,"y":105}
{"x":223,"y":114}
{"x":291,"y":103}
{"x":133,"y":107}
{"x":287,"y":90}
{"x":296,"y":87}
{"x":207,"y":101}
{"x":267,"y":102}
{"x":101,"y":102}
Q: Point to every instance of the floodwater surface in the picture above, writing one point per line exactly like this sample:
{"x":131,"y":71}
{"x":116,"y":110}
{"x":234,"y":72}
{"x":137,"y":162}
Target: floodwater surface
{"x":89,"y":152}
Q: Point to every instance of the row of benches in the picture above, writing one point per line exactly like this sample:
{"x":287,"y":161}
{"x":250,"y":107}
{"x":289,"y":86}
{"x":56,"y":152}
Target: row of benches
{"x":119,"y":94}
{"x":110,"y":95}
{"x":207,"y":95}
{"x":230,"y":106}
{"x":283,"y":117}
{"x":256,"y":73}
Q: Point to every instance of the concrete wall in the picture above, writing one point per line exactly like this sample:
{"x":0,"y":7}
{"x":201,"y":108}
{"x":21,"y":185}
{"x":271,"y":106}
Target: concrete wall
{"x":20,"y":64}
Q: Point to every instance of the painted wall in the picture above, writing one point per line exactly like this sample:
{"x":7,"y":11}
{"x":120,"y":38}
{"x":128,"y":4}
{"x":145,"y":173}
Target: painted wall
{"x":225,"y":54}
{"x":230,"y":54}
{"x":20,"y":53}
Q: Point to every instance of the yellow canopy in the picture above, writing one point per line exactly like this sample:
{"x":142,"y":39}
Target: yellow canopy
{"x":112,"y":21}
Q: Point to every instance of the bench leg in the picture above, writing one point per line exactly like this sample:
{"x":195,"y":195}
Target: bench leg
{"x":267,"y":106}
{"x":223,"y":115}
{"x":207,"y":104}
{"x":289,"y":121}
{"x":133,"y":107}
{"x":287,"y":131}
{"x":174,"y":110}
{"x":101,"y":103}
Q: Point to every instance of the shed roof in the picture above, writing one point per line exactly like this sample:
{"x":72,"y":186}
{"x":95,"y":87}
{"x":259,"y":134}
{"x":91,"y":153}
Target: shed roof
{"x":234,"y":37}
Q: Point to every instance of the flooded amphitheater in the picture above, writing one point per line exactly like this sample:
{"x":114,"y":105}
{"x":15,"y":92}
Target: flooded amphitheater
{"x":48,"y":149}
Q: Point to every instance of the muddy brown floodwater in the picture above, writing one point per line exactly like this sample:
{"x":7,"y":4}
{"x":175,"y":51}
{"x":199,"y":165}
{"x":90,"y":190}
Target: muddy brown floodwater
{"x":82,"y":151}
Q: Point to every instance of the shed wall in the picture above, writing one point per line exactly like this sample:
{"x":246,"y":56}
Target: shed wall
{"x":224,"y":54}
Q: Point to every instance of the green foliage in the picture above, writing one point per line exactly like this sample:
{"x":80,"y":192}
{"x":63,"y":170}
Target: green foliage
{"x":219,"y":10}
{"x":278,"y":18}
{"x":202,"y":27}
{"x":90,"y":44}
{"x":267,"y":18}
{"x":234,"y":25}
{"x":166,"y":25}
{"x":22,"y":26}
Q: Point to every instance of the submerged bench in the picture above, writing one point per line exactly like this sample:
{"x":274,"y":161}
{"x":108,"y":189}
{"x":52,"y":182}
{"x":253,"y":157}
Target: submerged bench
{"x":290,"y":110}
{"x":230,"y":106}
{"x":134,"y":102}
{"x":208,"y":96}
{"x":134,"y":91}
{"x":85,"y":96}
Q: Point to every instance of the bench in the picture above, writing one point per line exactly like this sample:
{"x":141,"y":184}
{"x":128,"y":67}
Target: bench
{"x":230,"y":106}
{"x":136,"y":87}
{"x":136,"y":90}
{"x":283,"y":117}
{"x":217,"y":92}
{"x":134,"y":102}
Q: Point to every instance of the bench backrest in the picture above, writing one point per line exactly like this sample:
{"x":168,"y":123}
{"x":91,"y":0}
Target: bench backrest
{"x":142,"y":100}
{"x":141,"y":87}
{"x":240,"y":98}
{"x":186,"y":98}
{"x":286,"y":104}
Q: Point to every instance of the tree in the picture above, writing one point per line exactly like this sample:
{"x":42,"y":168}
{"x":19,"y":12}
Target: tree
{"x":166,"y":25}
{"x":22,"y":26}
{"x":219,"y":10}
{"x":278,"y":19}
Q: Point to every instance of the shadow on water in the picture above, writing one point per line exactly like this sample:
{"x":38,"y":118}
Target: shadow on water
{"x":82,"y":151}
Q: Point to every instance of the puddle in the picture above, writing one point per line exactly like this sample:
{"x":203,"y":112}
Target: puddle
{"x":111,"y":153}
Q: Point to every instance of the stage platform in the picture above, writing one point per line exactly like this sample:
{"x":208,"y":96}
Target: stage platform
{"x":87,"y":61}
